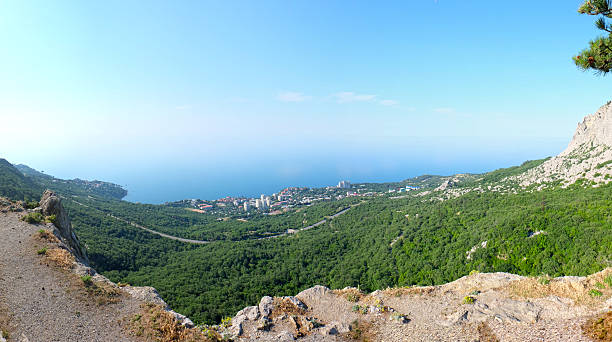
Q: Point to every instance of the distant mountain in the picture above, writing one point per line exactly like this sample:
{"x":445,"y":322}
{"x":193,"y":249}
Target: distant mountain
{"x":15,"y":185}
{"x":74,"y":186}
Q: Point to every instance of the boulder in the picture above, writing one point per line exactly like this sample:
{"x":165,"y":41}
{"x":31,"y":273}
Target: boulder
{"x":266,"y":305}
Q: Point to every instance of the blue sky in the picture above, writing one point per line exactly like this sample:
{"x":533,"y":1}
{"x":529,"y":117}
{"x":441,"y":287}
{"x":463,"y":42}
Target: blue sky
{"x":288,"y":89}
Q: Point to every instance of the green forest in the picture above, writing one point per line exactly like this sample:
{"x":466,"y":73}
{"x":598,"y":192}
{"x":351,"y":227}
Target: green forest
{"x":384,"y":241}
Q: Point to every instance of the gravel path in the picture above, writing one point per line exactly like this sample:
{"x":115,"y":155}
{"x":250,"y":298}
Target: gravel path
{"x":47,"y":303}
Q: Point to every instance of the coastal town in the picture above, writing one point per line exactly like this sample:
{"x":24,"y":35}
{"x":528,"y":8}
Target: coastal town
{"x":288,"y":198}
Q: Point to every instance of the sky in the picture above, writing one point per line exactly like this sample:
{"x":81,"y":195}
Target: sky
{"x":203,"y":98}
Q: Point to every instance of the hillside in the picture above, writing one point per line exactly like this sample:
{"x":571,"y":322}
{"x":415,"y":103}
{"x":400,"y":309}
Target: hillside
{"x":48,"y":292}
{"x":439,"y":233}
{"x":15,"y":185}
{"x":74,"y":186}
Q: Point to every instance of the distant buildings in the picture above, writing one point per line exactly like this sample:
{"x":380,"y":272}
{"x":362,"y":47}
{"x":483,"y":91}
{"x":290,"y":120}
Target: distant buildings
{"x":344,"y":185}
{"x":247,"y":206}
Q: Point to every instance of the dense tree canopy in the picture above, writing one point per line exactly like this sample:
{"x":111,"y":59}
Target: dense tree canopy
{"x":598,"y":56}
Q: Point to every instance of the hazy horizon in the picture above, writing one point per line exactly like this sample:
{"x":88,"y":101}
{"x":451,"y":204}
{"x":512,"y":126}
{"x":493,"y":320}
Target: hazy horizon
{"x":201,"y":99}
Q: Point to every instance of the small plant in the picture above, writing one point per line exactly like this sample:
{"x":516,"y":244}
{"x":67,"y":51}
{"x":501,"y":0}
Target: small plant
{"x":33,"y":218}
{"x":31,"y":204}
{"x":5,"y":334}
{"x":468,"y":300}
{"x":474,"y":293}
{"x":595,"y":293}
{"x":51,"y":219}
{"x":600,"y":286}
{"x":544,"y":280}
{"x":356,"y":308}
{"x":608,"y":280}
{"x":136,"y":318}
{"x":226,"y":322}
{"x":87,"y":280}
{"x":352,"y":297}
{"x":42,"y":231}
{"x":42,"y":251}
{"x":472,"y":272}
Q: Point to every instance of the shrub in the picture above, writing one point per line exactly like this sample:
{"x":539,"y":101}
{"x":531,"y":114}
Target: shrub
{"x":51,"y":219}
{"x":352,"y":297}
{"x":33,"y":218}
{"x":600,"y":285}
{"x":87,"y":280}
{"x":31,"y":204}
{"x":595,"y":293}
{"x":226,"y":322}
{"x":468,"y":300}
{"x":42,"y":251}
{"x":544,"y":280}
{"x":608,"y":280}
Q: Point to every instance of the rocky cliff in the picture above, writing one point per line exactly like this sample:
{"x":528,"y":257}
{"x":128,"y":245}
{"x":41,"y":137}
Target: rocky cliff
{"x":588,"y":155}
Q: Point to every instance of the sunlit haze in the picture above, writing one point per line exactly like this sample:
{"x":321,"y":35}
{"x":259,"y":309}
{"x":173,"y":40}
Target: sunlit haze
{"x":202,"y":99}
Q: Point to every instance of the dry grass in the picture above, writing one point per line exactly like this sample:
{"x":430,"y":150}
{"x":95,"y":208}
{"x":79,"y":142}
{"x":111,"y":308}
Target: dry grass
{"x":578,"y":291}
{"x":156,"y":324}
{"x":60,"y":257}
{"x":47,"y":236}
{"x":414,"y":290}
{"x":285,"y":307}
{"x":485,"y":333}
{"x":599,"y":328}
{"x":361,"y":331}
{"x":351,"y":294}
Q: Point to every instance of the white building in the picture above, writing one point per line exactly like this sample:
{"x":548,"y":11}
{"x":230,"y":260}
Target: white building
{"x":247,"y":206}
{"x":268,"y":202}
{"x":344,"y":185}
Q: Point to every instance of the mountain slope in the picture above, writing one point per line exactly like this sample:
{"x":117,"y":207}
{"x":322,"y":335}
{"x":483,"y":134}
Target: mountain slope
{"x":588,"y":157}
{"x":74,"y":186}
{"x":14,"y":185}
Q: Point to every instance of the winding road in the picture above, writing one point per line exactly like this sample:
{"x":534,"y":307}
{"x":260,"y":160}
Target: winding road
{"x":202,"y":242}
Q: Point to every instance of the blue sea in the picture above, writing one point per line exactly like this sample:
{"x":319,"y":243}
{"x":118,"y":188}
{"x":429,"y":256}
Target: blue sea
{"x":168,"y":179}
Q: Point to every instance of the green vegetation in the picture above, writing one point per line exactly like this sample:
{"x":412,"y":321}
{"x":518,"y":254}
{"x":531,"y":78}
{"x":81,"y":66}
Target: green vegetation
{"x":42,"y":251}
{"x":16,"y":186}
{"x":468,"y":300}
{"x":51,"y":219}
{"x":87,"y":280}
{"x":33,"y":218}
{"x":595,"y":293}
{"x":215,"y":280}
{"x":598,"y":56}
{"x":31,"y":204}
{"x":544,"y":280}
{"x":608,"y":280}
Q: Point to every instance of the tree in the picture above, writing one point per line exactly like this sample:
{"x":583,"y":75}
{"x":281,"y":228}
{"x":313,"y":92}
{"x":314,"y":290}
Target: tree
{"x":598,"y":56}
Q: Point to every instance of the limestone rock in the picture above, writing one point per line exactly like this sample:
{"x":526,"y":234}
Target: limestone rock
{"x":266,"y":305}
{"x":298,"y":303}
{"x":251,"y":313}
{"x":51,"y":204}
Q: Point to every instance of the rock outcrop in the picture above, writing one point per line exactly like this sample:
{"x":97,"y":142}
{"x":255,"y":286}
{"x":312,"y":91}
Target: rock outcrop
{"x":473,"y":308}
{"x":51,"y":205}
{"x":588,"y":156}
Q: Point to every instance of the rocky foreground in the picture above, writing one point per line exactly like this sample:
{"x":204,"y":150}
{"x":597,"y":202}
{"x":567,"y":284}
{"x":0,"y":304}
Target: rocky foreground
{"x":478,"y":307}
